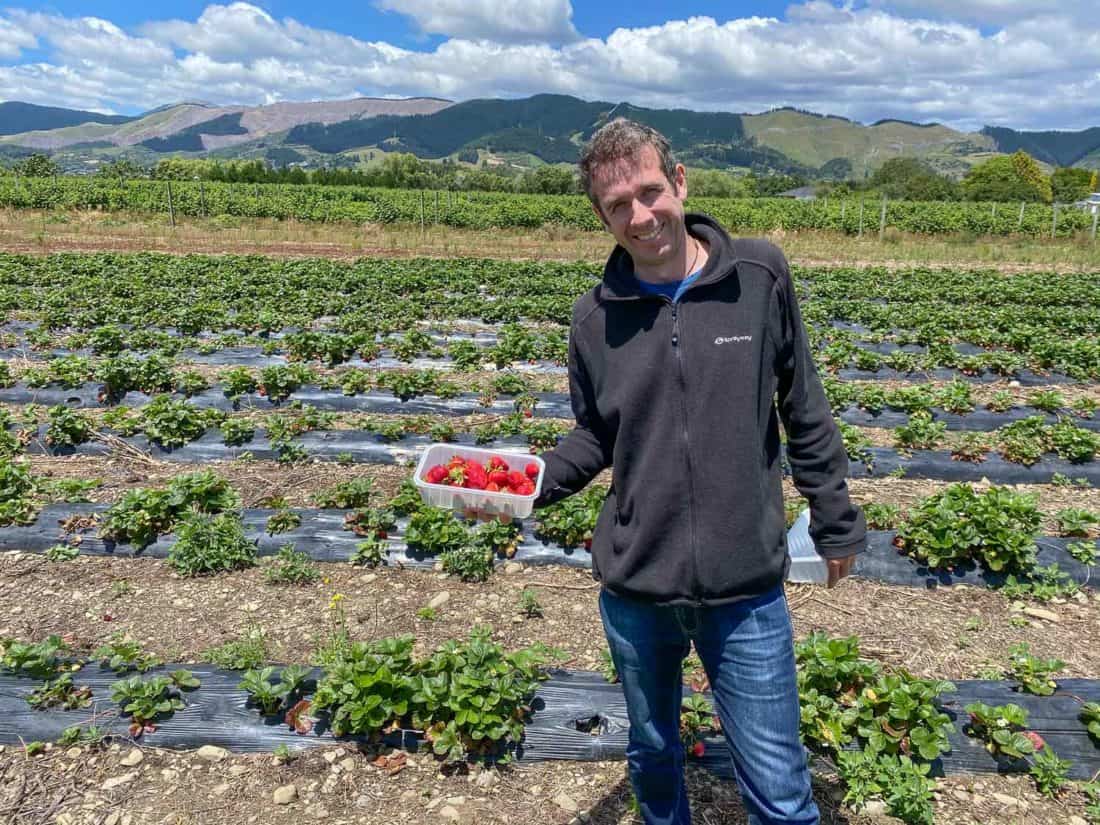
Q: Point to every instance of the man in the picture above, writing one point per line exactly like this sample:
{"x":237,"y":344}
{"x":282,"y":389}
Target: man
{"x":676,"y":359}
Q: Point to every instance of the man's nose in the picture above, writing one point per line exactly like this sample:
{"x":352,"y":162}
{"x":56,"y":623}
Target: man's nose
{"x":641,"y":215}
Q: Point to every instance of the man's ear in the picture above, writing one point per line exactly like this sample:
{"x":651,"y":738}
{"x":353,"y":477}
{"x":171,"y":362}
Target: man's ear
{"x":679,"y":179}
{"x":599,"y":214}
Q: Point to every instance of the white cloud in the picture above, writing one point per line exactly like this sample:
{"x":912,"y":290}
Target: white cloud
{"x":865,"y":63}
{"x":503,"y":21}
{"x":13,"y":40}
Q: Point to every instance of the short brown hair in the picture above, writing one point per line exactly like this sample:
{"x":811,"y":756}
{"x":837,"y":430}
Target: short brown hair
{"x":618,"y":140}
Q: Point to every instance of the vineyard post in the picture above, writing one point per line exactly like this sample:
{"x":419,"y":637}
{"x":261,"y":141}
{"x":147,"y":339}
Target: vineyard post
{"x":1020,"y":222}
{"x":202,"y":197}
{"x":421,"y":210}
{"x":861,"y":217}
{"x":1095,"y":215}
{"x":1054,"y":222}
{"x":171,"y":209}
{"x":843,"y":210}
{"x":449,"y":204}
{"x":993,"y":213}
{"x":882,"y":220}
{"x":437,"y":206}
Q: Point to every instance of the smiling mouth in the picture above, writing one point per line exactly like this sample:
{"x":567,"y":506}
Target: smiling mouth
{"x":649,"y":236}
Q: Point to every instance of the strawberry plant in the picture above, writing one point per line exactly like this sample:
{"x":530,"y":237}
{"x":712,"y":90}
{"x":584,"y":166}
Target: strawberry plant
{"x":1083,"y":551}
{"x":39,"y":660}
{"x":147,"y":701}
{"x":897,"y":714}
{"x":1024,"y":441}
{"x":406,"y":501}
{"x":921,"y":433}
{"x":237,"y":431}
{"x":1033,"y":674}
{"x":345,"y":495}
{"x":1075,"y":444}
{"x":273,"y":697}
{"x":971,"y":446}
{"x":1046,"y":400}
{"x":471,"y":563}
{"x":61,"y":552}
{"x":1002,"y":728}
{"x":172,"y":423}
{"x":1083,"y":407}
{"x":67,"y":427}
{"x":283,"y":521}
{"x":190,"y":383}
{"x":17,"y":487}
{"x":897,"y":780}
{"x":60,"y":693}
{"x":291,"y":566}
{"x":1000,"y":401}
{"x":466,"y":355}
{"x":1043,"y":584}
{"x":121,"y":654}
{"x":996,"y":528}
{"x":1049,"y":771}
{"x":371,"y":522}
{"x":142,"y":514}
{"x":697,"y":719}
{"x":371,"y":552}
{"x":856,"y":443}
{"x":1090,"y":715}
{"x":237,"y":381}
{"x":278,"y":382}
{"x":1075,"y":521}
{"x":570,"y":522}
{"x":368,"y":688}
{"x":434,"y":530}
{"x":954,"y":397}
{"x":208,"y":544}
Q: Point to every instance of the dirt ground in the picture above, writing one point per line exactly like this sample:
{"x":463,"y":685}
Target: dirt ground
{"x":963,"y":632}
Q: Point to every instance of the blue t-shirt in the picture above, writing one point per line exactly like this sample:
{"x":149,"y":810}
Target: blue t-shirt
{"x":672,"y":289}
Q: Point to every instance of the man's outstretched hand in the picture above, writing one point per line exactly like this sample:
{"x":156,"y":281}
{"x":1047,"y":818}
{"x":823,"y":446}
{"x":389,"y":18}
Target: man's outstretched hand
{"x":839,"y":568}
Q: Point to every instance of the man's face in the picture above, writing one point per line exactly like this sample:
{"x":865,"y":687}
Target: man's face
{"x":642,"y":208}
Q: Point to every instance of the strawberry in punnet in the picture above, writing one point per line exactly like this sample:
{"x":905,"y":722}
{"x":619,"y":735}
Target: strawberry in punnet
{"x":516,"y":479}
{"x":698,"y":749}
{"x":476,"y":477}
{"x":499,"y":478}
{"x":496,"y":463}
{"x":531,"y":470}
{"x":436,"y":474}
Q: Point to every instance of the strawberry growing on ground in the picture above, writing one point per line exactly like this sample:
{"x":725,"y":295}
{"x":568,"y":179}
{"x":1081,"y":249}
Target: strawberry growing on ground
{"x":698,"y":749}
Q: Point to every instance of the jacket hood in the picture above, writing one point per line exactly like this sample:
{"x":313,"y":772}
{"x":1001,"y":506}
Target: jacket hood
{"x":619,"y":282}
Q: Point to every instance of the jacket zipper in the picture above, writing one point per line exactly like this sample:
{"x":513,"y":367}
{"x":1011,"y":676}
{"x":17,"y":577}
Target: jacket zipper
{"x":687,"y":445}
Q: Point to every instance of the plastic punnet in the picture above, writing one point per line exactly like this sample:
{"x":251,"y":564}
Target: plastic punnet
{"x":461,"y":498}
{"x":806,"y":564}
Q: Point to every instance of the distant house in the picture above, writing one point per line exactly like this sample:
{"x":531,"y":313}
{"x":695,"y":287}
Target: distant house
{"x":802,"y":193}
{"x":1091,"y":203}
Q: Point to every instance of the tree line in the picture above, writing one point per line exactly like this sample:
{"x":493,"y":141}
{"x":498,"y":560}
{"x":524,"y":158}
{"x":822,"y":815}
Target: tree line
{"x":1005,"y":178}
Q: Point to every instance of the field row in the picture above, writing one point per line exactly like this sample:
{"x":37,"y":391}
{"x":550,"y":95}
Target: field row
{"x":486,"y":209}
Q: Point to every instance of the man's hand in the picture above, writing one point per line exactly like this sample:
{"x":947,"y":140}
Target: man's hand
{"x":839,"y":568}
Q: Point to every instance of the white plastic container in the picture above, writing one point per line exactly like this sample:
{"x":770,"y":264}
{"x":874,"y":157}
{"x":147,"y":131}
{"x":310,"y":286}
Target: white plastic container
{"x":806,"y":564}
{"x":460,"y":498}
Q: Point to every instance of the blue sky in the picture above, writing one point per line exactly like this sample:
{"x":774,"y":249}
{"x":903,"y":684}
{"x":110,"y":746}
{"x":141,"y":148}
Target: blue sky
{"x":1022,"y":63}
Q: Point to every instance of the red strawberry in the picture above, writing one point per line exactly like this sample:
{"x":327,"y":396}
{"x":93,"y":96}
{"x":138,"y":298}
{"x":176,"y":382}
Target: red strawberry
{"x":492,"y":487}
{"x":1035,"y":739}
{"x":516,"y":479}
{"x":499,"y":477}
{"x":531,"y":470}
{"x":456,"y":475}
{"x":588,"y":544}
{"x":525,"y":489}
{"x":436,"y":474}
{"x":527,"y":413}
{"x":496,"y":463}
{"x":698,"y":749}
{"x":476,"y":477}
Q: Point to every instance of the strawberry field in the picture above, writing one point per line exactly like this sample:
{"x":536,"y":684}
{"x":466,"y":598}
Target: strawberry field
{"x":214,"y":555}
{"x":492,"y":209}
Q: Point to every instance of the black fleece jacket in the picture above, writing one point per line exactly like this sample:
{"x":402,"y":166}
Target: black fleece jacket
{"x":680,"y":401}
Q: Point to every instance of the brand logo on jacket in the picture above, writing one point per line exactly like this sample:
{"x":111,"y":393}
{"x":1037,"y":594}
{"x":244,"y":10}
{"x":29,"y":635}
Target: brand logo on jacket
{"x":733,"y":339}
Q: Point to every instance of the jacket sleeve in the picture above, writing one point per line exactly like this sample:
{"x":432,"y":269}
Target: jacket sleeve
{"x":587,"y":448}
{"x":815,"y":449}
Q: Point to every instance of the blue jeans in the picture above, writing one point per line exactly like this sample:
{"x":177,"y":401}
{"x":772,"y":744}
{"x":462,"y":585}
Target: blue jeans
{"x":747,"y":650}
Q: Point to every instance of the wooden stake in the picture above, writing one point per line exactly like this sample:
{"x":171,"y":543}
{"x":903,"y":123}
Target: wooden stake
{"x":171,"y":209}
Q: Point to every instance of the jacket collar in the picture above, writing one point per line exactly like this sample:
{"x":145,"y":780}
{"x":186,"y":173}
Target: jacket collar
{"x":619,"y":283}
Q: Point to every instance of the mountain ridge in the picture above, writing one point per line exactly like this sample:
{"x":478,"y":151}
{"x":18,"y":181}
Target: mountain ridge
{"x":543,"y":128}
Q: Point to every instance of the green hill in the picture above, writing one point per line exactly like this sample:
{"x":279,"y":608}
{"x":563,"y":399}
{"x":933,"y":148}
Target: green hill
{"x":16,"y":117}
{"x":1055,"y":148}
